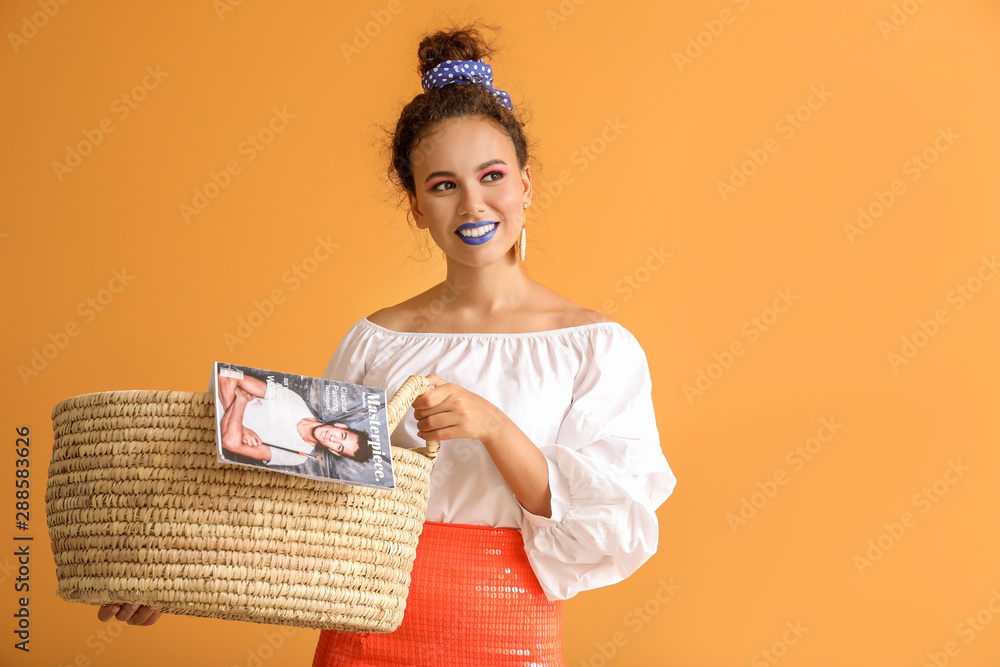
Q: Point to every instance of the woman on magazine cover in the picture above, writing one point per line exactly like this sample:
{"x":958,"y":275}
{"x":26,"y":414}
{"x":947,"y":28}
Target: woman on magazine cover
{"x":550,"y":468}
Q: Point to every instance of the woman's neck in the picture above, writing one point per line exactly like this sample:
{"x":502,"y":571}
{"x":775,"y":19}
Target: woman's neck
{"x":485,"y":291}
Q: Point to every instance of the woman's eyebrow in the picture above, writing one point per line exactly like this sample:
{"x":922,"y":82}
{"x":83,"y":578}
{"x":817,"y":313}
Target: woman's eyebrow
{"x":488,"y":163}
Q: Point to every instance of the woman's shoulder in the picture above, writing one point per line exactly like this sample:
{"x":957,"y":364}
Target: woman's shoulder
{"x":391,"y":317}
{"x":403,"y":316}
{"x":577,"y":316}
{"x":563,"y":313}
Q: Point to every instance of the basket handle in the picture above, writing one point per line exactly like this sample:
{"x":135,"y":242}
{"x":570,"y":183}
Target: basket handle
{"x":414,"y":387}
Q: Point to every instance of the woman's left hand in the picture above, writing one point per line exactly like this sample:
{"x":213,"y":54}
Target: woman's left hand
{"x":450,"y":411}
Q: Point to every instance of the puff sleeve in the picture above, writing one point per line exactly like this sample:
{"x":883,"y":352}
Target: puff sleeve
{"x":607,"y":475}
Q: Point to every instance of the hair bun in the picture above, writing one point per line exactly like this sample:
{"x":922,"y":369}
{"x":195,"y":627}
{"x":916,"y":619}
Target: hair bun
{"x":459,"y":44}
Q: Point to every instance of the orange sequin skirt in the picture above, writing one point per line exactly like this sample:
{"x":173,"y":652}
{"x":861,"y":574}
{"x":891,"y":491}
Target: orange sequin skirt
{"x":474,"y":601}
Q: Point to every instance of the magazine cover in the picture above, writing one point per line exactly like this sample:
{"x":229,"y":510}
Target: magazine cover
{"x":302,"y":425}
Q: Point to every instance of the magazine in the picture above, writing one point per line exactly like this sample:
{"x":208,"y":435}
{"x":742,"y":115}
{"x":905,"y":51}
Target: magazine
{"x":300,"y":425}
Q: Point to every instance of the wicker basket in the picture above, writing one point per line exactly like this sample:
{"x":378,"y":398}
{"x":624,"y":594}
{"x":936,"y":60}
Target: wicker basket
{"x":140,"y":511}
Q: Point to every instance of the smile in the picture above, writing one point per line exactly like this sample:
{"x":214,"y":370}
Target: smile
{"x":476,"y":233}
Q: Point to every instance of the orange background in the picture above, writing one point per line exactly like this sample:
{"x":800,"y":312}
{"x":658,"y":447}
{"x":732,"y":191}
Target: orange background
{"x":672,"y":130}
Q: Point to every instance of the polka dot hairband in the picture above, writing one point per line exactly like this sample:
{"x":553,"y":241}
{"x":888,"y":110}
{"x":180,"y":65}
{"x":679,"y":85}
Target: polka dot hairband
{"x":465,"y":72}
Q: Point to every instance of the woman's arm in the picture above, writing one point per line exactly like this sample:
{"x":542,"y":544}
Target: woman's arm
{"x":607,"y":471}
{"x":522,"y":466}
{"x":450,"y":411}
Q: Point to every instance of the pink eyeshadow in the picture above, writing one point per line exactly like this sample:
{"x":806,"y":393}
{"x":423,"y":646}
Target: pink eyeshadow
{"x":492,"y":169}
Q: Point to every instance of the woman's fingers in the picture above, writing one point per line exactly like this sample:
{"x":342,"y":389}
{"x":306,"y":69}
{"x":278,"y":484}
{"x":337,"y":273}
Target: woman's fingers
{"x":424,"y":400}
{"x":107,"y":612}
{"x":435,"y":380}
{"x":433,"y":423}
{"x":126,"y":611}
{"x":433,"y":398}
{"x":421,"y":404}
{"x":145,"y":615}
{"x":133,"y":614}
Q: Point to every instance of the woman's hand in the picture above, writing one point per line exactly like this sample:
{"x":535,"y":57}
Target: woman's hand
{"x":133,"y":614}
{"x":449,"y":411}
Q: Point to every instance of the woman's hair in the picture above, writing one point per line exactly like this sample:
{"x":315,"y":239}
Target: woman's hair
{"x":419,"y":118}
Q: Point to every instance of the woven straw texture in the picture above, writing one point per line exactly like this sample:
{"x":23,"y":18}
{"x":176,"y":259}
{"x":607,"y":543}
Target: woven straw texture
{"x":140,"y":511}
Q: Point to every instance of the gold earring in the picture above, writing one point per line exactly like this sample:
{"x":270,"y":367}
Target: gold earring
{"x":523,"y":241}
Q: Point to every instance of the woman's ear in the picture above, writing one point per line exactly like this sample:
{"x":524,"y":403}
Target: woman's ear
{"x":418,"y":217}
{"x":526,"y":182}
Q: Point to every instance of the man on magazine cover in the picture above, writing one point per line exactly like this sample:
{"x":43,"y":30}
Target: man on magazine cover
{"x":274,"y":425}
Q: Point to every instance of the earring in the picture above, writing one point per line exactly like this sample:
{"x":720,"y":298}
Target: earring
{"x":523,"y":241}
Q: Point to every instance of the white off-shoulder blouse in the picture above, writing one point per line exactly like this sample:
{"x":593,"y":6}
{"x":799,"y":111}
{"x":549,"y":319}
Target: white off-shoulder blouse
{"x":582,"y":395}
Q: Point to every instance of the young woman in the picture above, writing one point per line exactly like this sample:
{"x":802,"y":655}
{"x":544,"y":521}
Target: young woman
{"x":550,"y":468}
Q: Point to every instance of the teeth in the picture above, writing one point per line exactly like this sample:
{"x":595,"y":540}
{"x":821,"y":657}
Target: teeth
{"x":477,"y":231}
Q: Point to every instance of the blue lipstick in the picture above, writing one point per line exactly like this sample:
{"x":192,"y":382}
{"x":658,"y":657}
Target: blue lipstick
{"x":478,"y":240}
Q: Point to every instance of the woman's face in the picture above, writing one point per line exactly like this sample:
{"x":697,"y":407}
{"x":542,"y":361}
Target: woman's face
{"x":470,"y":193}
